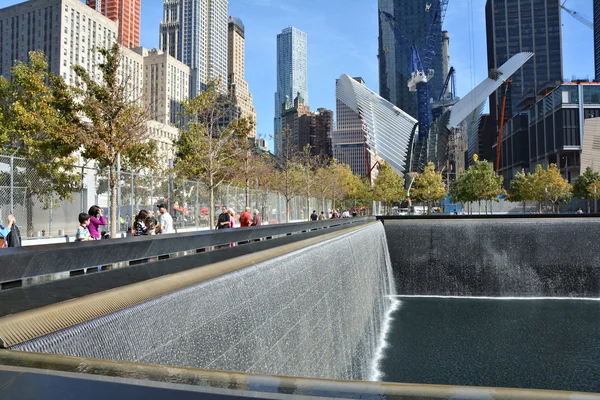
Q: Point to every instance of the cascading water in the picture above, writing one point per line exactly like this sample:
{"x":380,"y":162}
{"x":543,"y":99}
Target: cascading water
{"x":317,"y":312}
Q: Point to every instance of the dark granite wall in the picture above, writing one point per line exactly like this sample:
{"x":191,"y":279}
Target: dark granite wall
{"x":516,"y":257}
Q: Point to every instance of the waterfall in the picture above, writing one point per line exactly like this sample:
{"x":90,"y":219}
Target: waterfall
{"x":316,"y":312}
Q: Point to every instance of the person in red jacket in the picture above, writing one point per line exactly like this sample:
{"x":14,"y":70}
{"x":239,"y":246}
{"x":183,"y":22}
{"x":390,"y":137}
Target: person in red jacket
{"x":245,"y":218}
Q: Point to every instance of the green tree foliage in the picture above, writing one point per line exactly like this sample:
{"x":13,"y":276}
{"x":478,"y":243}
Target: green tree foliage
{"x":551,"y":186}
{"x":478,"y":183}
{"x":388,"y":187}
{"x":521,"y":188}
{"x":117,"y":120}
{"x":429,"y":187}
{"x":37,"y":119}
{"x":206,"y":147}
{"x":245,"y":171}
{"x":583,"y":183}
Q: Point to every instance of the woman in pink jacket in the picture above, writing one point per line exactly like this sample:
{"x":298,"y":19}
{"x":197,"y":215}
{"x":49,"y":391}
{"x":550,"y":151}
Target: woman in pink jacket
{"x":96,"y":220}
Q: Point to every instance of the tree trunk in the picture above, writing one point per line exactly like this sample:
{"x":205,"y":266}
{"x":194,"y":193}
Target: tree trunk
{"x":113,"y":201}
{"x":524,"y":206}
{"x":308,"y":212}
{"x":287,"y":210}
{"x":323,"y":204}
{"x":248,"y":193}
{"x":588,"y":206}
{"x":211,"y":207}
{"x":29,"y":205}
{"x":479,"y":208}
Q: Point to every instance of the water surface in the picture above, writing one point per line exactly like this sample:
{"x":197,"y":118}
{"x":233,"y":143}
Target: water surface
{"x":542,"y":344}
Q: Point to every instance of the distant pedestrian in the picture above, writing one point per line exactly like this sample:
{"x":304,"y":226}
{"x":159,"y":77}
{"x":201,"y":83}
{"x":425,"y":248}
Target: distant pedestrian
{"x":245,"y":218}
{"x":346,"y":214}
{"x":579,"y":211}
{"x":6,"y":230}
{"x":223,"y":221}
{"x":322,"y":216}
{"x":314,"y":216}
{"x":83,"y":233}
{"x":256,"y":218}
{"x":231,"y":217}
{"x":140,"y":223}
{"x":96,"y":221}
{"x":165,"y":220}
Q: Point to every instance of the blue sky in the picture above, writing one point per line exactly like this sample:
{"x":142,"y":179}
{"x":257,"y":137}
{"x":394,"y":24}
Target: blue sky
{"x":342,"y":38}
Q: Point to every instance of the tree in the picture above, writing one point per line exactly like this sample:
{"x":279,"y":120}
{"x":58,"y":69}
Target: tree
{"x":206,"y":146}
{"x":429,"y":187}
{"x":388,"y":186}
{"x":521,"y":189}
{"x":341,"y":178}
{"x":37,"y":121}
{"x":478,"y":183}
{"x":246,"y":159}
{"x":582,"y":184}
{"x":116,"y":119}
{"x":557,"y":189}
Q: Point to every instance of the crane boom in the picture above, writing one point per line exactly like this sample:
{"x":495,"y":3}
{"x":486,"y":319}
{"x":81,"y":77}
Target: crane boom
{"x":578,"y":16}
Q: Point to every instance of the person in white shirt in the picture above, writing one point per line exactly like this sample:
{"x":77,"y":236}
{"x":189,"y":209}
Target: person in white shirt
{"x":346,"y":214}
{"x":165,"y":220}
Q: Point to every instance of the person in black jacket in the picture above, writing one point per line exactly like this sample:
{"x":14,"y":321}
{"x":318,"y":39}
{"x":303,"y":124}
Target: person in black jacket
{"x":223,"y":221}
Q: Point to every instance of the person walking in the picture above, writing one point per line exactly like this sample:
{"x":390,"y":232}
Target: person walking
{"x":256,"y":218}
{"x":83,"y":233}
{"x":223,"y":221}
{"x":314,"y":216}
{"x":140,"y":223}
{"x":322,"y":216}
{"x":245,"y":218}
{"x":6,"y":230}
{"x":165,"y":220}
{"x":96,"y":221}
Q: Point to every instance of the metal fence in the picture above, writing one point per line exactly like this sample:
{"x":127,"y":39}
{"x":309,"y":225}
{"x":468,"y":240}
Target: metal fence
{"x":41,"y":212}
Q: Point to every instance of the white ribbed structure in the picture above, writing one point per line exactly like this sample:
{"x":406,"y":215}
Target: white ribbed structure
{"x":387,"y":128}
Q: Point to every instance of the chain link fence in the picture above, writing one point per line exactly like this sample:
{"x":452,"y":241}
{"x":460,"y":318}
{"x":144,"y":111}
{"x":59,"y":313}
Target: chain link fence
{"x":43,"y":208}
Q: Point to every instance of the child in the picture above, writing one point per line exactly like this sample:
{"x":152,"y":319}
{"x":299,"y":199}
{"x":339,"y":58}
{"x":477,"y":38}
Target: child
{"x":83,"y":233}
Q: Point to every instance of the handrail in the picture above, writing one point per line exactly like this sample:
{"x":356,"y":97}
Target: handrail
{"x":32,"y":261}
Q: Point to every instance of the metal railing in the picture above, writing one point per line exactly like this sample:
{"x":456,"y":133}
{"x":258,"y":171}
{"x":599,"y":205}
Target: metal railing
{"x":41,"y":212}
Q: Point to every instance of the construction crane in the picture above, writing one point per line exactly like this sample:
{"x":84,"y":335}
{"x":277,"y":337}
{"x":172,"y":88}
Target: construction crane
{"x":501,"y":128}
{"x":421,"y":61}
{"x":578,"y":16}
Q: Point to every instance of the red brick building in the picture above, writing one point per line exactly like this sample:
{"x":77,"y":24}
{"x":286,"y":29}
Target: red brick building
{"x":126,"y":13}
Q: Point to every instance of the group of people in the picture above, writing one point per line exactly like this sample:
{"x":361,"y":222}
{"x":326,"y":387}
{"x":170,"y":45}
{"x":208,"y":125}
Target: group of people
{"x":247,"y":218}
{"x":332,"y":215}
{"x":145,"y":223}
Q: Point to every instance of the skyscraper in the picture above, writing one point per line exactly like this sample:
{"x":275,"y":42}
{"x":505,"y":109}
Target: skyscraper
{"x":291,"y":74}
{"x":515,"y":26}
{"x":348,"y":139}
{"x":126,"y":13}
{"x":195,"y":32}
{"x":414,"y":18}
{"x":238,"y":87}
{"x":597,"y":37}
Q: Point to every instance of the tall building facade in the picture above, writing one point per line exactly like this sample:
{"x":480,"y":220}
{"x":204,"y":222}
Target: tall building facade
{"x":126,"y":13}
{"x":348,"y":139}
{"x":597,"y":38}
{"x":320,"y":132}
{"x":236,"y":81}
{"x":195,"y":33}
{"x":296,"y":119}
{"x":67,"y":31}
{"x":413,"y":18}
{"x":514,"y":26}
{"x":166,"y":86}
{"x":292,"y":74}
